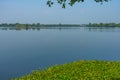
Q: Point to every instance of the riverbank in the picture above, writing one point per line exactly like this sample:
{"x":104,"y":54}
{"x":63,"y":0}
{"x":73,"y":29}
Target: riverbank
{"x":78,"y":70}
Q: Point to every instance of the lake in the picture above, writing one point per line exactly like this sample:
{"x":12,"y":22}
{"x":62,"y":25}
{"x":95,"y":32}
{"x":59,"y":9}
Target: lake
{"x":24,"y":50}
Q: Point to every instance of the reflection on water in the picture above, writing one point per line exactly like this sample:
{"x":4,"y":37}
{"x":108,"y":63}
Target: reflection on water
{"x":90,"y":29}
{"x":103,"y":29}
{"x":36,"y":28}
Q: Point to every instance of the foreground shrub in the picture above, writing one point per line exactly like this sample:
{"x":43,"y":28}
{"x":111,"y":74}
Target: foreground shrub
{"x":78,"y":70}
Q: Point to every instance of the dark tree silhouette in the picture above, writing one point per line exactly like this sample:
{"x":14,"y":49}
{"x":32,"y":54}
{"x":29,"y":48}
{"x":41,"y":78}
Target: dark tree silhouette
{"x":70,"y":2}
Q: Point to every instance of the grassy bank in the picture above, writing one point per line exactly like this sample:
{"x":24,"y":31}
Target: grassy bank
{"x":79,"y":70}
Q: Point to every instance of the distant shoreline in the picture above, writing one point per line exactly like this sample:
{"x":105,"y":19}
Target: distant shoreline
{"x":60,"y":25}
{"x":38,"y":25}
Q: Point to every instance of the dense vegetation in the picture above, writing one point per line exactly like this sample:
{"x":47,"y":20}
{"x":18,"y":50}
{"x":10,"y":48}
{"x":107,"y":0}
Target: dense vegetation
{"x":61,"y":25}
{"x":36,"y":25}
{"x":103,"y":25}
{"x":79,"y":70}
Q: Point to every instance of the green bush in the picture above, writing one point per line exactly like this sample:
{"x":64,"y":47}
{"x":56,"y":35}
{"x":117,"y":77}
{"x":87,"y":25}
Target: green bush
{"x":78,"y":70}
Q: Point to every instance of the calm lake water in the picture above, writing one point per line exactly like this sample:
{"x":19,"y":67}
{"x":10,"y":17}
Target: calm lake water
{"x":22,"y":51}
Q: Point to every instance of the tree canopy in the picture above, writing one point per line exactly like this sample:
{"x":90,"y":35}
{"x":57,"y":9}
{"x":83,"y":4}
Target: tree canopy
{"x":70,"y":2}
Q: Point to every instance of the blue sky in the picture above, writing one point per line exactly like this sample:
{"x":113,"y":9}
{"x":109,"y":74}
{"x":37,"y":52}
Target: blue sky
{"x":36,"y":11}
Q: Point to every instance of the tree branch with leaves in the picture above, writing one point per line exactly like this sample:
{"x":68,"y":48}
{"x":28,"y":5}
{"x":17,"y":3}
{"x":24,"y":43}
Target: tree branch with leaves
{"x":70,"y":2}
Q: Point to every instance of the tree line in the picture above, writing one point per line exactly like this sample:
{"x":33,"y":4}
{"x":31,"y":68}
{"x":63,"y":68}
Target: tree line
{"x":36,"y":25}
{"x":103,"y":25}
{"x":61,"y":25}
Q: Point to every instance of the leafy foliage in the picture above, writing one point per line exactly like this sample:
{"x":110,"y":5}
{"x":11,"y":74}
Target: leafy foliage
{"x":70,"y":2}
{"x":79,"y":70}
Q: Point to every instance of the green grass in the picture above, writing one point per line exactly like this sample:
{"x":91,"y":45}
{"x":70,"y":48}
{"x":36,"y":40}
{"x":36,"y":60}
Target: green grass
{"x":78,"y":70}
